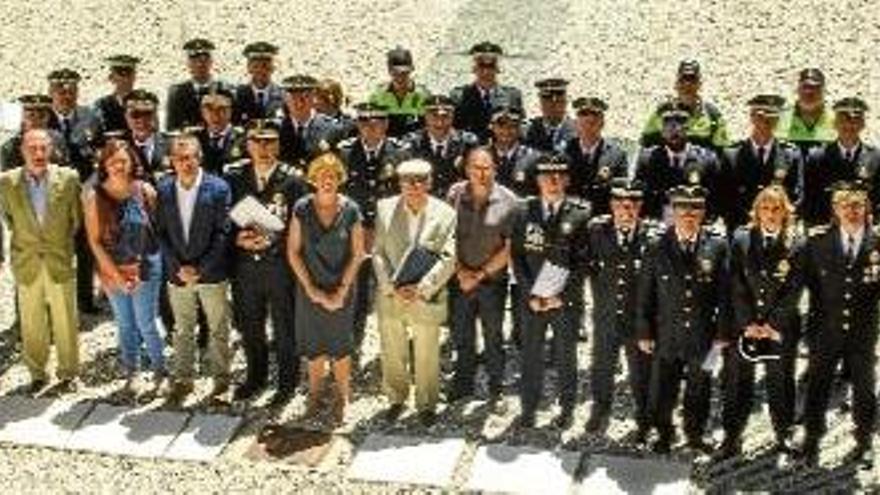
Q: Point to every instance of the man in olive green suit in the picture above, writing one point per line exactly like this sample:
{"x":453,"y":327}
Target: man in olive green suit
{"x":41,"y":205}
{"x":414,"y":305}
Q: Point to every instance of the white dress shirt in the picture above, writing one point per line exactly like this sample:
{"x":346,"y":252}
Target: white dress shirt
{"x":186,"y":203}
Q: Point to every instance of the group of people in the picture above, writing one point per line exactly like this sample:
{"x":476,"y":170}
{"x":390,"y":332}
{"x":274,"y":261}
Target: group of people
{"x":437,"y":210}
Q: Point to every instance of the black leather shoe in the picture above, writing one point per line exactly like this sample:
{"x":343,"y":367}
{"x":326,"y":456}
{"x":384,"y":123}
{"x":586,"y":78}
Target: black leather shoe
{"x":808,"y":454}
{"x":598,"y":423}
{"x":392,"y":413}
{"x":247,"y":391}
{"x":564,"y":419}
{"x":526,"y":420}
{"x":730,"y":448}
{"x":458,"y":393}
{"x":663,"y":445}
{"x":280,"y":398}
{"x":698,"y":444}
{"x":861,"y":454}
{"x":428,"y":418}
{"x":36,"y":386}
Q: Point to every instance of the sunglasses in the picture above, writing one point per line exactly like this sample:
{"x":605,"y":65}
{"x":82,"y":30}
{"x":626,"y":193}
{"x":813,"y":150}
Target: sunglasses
{"x":414,"y":180}
{"x":142,"y":114}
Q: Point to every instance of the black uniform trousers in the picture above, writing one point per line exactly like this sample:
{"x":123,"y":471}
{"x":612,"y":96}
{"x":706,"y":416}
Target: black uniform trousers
{"x":605,"y":358}
{"x":739,"y":391}
{"x":85,"y":272}
{"x":860,"y":360}
{"x":262,"y":286}
{"x":666,"y":377}
{"x":363,"y":301}
{"x":564,"y":322}
{"x":485,"y":302}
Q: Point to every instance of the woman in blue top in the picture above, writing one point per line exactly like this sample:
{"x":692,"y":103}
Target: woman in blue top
{"x":325,"y":249}
{"x":119,"y":224}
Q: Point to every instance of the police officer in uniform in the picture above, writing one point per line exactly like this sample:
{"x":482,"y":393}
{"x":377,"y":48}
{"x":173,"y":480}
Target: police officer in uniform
{"x":371,"y":160}
{"x":617,"y":243}
{"x":758,"y":161}
{"x":403,"y":98}
{"x":847,"y":158}
{"x":222,"y":143}
{"x":440,"y":144}
{"x":150,"y":146}
{"x":553,"y":128}
{"x":260,"y":97}
{"x":111,"y":107}
{"x":842,"y":273}
{"x":675,"y":162}
{"x":262,"y":279}
{"x":809,"y":123}
{"x":766,"y":289}
{"x":594,"y":159}
{"x":547,"y":251}
{"x":681,"y":308}
{"x":79,"y":127}
{"x":705,"y":125}
{"x":474,"y":102}
{"x":35,"y":110}
{"x":515,"y":160}
{"x":183,"y":104}
{"x":305,"y":133}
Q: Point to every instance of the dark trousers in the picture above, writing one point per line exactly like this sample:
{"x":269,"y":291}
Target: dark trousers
{"x":516,"y":314}
{"x":739,"y":387}
{"x":258,"y":288}
{"x":666,"y":377}
{"x":565,"y":333}
{"x":85,"y":273}
{"x":486,"y":302}
{"x":363,"y":301}
{"x":606,"y":356}
{"x":821,"y":374}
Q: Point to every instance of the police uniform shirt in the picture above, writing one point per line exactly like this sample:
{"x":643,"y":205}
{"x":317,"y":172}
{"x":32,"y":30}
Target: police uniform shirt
{"x":827,"y":165}
{"x":78,"y":129}
{"x":303,"y":141}
{"x":445,"y":156}
{"x":111,"y":111}
{"x":541,"y":134}
{"x":221,"y":148}
{"x":252,"y":102}
{"x":473,"y":106}
{"x":183,"y":105}
{"x":515,"y":169}
{"x":591,"y":169}
{"x":660,"y":169}
{"x":371,"y":178}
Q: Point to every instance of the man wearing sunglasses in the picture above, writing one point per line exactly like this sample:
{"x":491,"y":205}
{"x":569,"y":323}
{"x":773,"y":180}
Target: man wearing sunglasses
{"x":401,"y":96}
{"x":474,"y":102}
{"x":411,"y":303}
{"x":705,"y":125}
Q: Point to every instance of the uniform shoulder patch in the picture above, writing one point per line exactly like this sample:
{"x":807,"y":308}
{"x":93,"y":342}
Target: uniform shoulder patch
{"x":600,"y":220}
{"x":236,"y":167}
{"x":817,"y":230}
{"x":346,"y":143}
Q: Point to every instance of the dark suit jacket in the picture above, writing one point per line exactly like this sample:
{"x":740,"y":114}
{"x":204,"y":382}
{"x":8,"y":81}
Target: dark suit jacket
{"x":473,"y":115}
{"x":516,"y":170}
{"x":826,"y":165}
{"x":844,"y":297}
{"x":766,"y":283}
{"x":231,"y":148}
{"x":682,"y":300}
{"x":111,"y":112}
{"x":208,"y":245}
{"x":448,"y":168}
{"x":538,"y":134}
{"x":743,"y":176}
{"x":81,"y":140}
{"x":299,"y":147}
{"x":658,"y":175}
{"x":183,"y":106}
{"x":590,"y":176}
{"x":246,"y":107}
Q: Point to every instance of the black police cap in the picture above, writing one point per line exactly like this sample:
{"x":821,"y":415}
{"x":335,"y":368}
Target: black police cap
{"x":693,"y":196}
{"x":122,"y":62}
{"x":756,"y":350}
{"x":769,"y":105}
{"x":507,"y":112}
{"x":589,"y":105}
{"x":218,"y":95}
{"x":260,"y":50}
{"x":262,"y":129}
{"x":851,"y":106}
{"x":551,"y":86}
{"x":198,"y":46}
{"x":64,"y":76}
{"x":486,"y":49}
{"x":624,"y":188}
{"x":35,"y":101}
{"x":399,"y":57}
{"x":141,"y":99}
{"x":812,"y":76}
{"x":689,"y":68}
{"x":551,"y":163}
{"x":299,"y":82}
{"x":439,"y":103}
{"x":673,"y":109}
{"x":370,"y":111}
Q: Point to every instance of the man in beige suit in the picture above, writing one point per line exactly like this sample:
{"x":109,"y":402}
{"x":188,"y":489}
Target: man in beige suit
{"x":41,"y":205}
{"x":417,"y":310}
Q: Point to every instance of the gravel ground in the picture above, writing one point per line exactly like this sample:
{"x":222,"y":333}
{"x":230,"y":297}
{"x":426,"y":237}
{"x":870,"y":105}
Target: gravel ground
{"x":623,"y":50}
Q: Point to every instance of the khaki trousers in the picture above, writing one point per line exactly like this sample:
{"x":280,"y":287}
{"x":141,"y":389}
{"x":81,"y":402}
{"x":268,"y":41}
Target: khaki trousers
{"x":184,"y":304}
{"x":398,"y":323}
{"x":39,"y":302}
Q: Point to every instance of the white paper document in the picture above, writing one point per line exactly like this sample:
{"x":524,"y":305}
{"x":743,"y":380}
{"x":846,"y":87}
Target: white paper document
{"x":550,"y":281}
{"x":249,"y":212}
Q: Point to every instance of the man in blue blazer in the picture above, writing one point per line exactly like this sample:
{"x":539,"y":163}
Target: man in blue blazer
{"x":192,"y":222}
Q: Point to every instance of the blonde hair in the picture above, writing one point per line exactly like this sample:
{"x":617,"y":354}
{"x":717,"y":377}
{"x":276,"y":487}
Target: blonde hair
{"x":848,"y":196}
{"x":332,"y":90}
{"x":323,"y":162}
{"x":773,"y":193}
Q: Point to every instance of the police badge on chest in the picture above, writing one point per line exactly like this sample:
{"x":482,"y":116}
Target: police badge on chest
{"x":872,"y":270}
{"x":278,"y":207}
{"x":534,"y":237}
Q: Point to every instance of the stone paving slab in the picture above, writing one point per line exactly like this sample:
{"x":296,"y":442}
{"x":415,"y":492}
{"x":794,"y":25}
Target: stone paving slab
{"x":410,"y":460}
{"x":125,"y":431}
{"x":40,"y":422}
{"x":510,"y":469}
{"x":203,"y":438}
{"x":624,"y":475}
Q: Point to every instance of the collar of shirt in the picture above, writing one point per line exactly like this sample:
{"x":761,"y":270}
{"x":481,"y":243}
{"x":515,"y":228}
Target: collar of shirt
{"x":506,"y":154}
{"x":34,"y":181}
{"x":302,"y":125}
{"x":589,"y":150}
{"x":435,"y":143}
{"x":413,"y":222}
{"x":856,"y":237}
{"x":148,"y":143}
{"x":194,"y":187}
{"x":373,"y":150}
{"x":548,"y":207}
{"x":221,"y":134}
{"x":625,"y":234}
{"x":679,"y":236}
{"x":678,"y":156}
{"x":197,"y":86}
{"x":845,"y":151}
{"x":267,"y":175}
{"x":767,"y":146}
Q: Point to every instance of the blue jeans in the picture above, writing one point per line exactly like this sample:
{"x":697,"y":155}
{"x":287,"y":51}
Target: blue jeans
{"x":135,"y":315}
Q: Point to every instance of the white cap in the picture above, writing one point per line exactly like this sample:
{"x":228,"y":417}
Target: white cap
{"x":415,"y":166}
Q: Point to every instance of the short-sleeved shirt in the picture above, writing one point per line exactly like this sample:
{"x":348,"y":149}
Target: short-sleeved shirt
{"x":481,"y":230}
{"x":326,"y":251}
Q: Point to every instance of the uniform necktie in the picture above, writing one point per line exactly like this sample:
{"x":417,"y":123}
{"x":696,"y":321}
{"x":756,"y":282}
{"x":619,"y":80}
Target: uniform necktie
{"x":850,"y":249}
{"x":261,"y":101}
{"x":625,"y":238}
{"x":438,"y":151}
{"x":66,"y":128}
{"x":551,"y":213}
{"x":768,"y":241}
{"x":487,"y":99}
{"x":261,"y":183}
{"x":762,"y":154}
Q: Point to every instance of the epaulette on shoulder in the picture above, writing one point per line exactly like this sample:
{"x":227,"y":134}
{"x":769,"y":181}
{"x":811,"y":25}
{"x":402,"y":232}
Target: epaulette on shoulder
{"x":716,"y":229}
{"x":579,"y":203}
{"x":236,"y":167}
{"x":346,"y":143}
{"x":600,"y":220}
{"x":817,"y":230}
